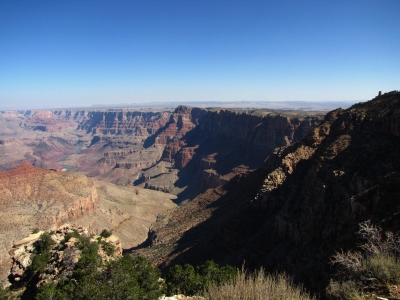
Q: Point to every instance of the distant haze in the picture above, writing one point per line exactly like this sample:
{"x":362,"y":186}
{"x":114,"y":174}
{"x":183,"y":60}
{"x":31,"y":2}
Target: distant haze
{"x":97,"y":52}
{"x":242,"y":105}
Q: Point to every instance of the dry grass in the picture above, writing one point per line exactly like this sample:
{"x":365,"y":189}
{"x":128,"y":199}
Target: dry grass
{"x":257,"y":286}
{"x":374,"y":270}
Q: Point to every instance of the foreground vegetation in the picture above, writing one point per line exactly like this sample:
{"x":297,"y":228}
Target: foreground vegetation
{"x":373,"y":269}
{"x":259,"y":285}
{"x":93,"y":276}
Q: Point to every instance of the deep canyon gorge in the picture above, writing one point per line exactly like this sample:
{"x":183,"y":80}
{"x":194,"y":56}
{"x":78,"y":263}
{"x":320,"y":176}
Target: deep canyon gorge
{"x":120,"y":168}
{"x":279,"y":190}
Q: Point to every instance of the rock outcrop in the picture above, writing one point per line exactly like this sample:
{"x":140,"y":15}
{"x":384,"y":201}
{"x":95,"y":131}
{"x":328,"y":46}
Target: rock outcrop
{"x":66,"y":195}
{"x":301,"y":206}
{"x":64,"y":253}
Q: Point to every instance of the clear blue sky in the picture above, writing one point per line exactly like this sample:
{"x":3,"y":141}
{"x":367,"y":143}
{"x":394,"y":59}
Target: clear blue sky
{"x":75,"y":53}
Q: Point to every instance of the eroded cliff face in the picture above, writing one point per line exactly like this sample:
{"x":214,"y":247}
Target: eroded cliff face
{"x":204,"y":147}
{"x":52,"y":120}
{"x":209,"y":147}
{"x":304,"y":204}
{"x":67,"y":195}
{"x":259,"y":131}
{"x":123,"y":122}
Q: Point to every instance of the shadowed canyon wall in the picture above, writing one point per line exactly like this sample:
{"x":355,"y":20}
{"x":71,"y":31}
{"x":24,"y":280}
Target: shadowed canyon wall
{"x":301,"y":206}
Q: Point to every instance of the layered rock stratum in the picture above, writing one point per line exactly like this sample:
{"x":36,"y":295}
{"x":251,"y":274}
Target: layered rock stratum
{"x":31,"y":197}
{"x":182,"y":152}
{"x":301,"y":206}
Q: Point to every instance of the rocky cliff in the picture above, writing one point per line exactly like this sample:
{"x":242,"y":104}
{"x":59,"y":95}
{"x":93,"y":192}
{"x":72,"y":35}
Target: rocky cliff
{"x":210,"y":146}
{"x":302,"y":205}
{"x":257,"y":132}
{"x":123,"y":122}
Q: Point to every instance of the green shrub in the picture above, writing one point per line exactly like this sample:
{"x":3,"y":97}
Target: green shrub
{"x":37,"y":266}
{"x":91,"y":278}
{"x":108,"y":248}
{"x":52,"y":291}
{"x":384,"y":268}
{"x":35,"y":230}
{"x":148,"y":276}
{"x":68,"y":236}
{"x":183,"y":280}
{"x":85,"y":244}
{"x":211,"y":273}
{"x":343,"y":290}
{"x":189,"y":281}
{"x":44,"y":243}
{"x":123,"y":278}
{"x":105,"y":233}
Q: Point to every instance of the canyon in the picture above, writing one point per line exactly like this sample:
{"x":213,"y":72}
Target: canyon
{"x":118,"y":169}
{"x":182,"y":152}
{"x":283,"y":191}
{"x":301,"y":206}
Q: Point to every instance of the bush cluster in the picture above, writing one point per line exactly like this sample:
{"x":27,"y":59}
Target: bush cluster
{"x":124,"y":278}
{"x":105,"y":233}
{"x":40,"y":256}
{"x":190,"y":281}
{"x":136,"y":278}
{"x":371,"y":269}
{"x":90,"y":277}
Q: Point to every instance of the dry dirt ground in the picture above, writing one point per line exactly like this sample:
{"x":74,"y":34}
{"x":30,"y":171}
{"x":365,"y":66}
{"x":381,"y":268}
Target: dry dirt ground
{"x":128,"y":211}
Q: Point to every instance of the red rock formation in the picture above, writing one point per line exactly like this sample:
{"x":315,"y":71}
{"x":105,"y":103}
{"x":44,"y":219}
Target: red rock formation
{"x":223,"y":139}
{"x":43,"y":187}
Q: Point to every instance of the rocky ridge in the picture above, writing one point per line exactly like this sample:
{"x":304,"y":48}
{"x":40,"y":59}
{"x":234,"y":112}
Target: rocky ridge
{"x":301,"y":206}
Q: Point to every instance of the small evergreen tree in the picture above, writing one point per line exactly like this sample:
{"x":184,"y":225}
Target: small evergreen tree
{"x":190,"y":281}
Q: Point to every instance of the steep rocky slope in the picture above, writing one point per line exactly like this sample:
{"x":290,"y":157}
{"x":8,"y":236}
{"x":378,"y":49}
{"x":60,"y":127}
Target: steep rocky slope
{"x":302,"y":205}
